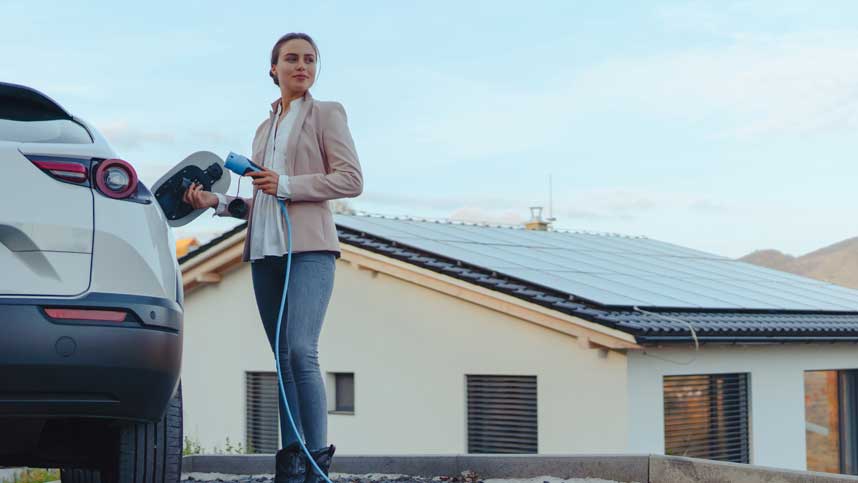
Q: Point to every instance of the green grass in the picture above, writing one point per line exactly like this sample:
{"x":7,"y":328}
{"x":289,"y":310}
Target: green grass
{"x":192,"y":446}
{"x":34,"y":475}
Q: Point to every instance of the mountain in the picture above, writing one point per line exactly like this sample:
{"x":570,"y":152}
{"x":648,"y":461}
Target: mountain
{"x":837,"y":263}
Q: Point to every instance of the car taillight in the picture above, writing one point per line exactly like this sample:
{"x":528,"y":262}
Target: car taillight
{"x":116,"y":178}
{"x":74,"y":172}
{"x":86,"y":314}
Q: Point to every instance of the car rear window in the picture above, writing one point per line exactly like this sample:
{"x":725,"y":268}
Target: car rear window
{"x":28,"y":116}
{"x":55,"y":131}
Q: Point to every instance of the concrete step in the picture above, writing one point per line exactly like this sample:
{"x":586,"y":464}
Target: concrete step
{"x":619,"y":468}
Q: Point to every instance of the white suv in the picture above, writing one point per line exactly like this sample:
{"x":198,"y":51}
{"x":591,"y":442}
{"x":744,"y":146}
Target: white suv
{"x":90,"y":304}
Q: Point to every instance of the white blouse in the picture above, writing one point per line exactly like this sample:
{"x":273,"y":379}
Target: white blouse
{"x":269,"y":226}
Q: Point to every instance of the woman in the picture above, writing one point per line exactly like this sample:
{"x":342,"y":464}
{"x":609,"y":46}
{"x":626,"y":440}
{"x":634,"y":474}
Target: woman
{"x":309,"y":158}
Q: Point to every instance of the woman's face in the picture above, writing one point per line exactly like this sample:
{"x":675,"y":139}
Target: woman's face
{"x":296,"y":66}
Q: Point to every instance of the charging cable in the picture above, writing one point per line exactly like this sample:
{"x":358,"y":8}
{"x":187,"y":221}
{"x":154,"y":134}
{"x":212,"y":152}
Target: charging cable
{"x":277,"y":344}
{"x":676,"y":319}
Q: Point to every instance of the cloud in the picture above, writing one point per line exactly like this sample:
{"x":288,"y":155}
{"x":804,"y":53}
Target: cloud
{"x":482,"y":215}
{"x":603,"y":204}
{"x":755,"y":85}
{"x":419,"y":202}
{"x":629,"y":204}
{"x":723,"y":18}
{"x":450,"y":116}
{"x":744,"y":86}
{"x":119,"y":133}
{"x":212,"y":136}
{"x":709,"y":207}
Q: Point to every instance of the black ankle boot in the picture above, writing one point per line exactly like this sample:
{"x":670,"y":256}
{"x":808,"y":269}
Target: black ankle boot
{"x":291,"y":465}
{"x":322,"y":457}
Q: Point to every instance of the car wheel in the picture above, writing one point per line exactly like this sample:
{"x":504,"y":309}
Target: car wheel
{"x":144,"y":453}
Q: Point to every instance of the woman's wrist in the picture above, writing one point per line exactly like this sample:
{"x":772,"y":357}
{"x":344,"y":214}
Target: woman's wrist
{"x":214,"y":201}
{"x":283,"y":187}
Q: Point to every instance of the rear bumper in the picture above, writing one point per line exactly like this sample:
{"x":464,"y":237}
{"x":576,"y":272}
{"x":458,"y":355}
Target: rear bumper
{"x":126,"y":370}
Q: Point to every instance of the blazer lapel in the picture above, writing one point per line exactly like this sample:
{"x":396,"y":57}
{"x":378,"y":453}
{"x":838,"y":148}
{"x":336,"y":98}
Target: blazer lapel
{"x":261,"y":161}
{"x":292,"y":143}
{"x":272,"y":117}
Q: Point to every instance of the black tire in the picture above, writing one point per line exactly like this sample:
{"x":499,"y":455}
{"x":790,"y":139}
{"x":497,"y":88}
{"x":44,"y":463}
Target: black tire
{"x":80,"y":476}
{"x":144,"y":453}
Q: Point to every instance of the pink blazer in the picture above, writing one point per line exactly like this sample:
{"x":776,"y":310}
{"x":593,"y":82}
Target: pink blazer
{"x":322,"y":165}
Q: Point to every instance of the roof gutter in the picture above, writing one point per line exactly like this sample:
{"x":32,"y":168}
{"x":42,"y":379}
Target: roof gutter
{"x":647,"y":340}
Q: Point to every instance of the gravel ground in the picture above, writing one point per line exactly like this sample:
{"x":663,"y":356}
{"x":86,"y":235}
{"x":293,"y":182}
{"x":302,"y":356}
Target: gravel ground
{"x":467,"y":477}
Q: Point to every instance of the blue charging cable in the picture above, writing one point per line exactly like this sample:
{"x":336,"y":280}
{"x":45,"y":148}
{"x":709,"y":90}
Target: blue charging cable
{"x":277,"y":343}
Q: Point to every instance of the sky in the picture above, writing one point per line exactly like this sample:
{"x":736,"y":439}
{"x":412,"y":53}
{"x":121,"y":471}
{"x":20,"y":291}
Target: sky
{"x":725,"y":126}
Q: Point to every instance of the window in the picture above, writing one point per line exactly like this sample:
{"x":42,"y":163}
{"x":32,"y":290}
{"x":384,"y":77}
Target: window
{"x":29,"y":117}
{"x":829,"y":404}
{"x":262,"y":414}
{"x":706,"y":416}
{"x":502,"y":415}
{"x":344,"y":392}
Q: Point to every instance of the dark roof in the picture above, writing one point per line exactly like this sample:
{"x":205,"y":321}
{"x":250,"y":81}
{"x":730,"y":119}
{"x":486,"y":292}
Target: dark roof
{"x":195,"y":252}
{"x":649,"y":324}
{"x":665,"y":326}
{"x":612,"y":270}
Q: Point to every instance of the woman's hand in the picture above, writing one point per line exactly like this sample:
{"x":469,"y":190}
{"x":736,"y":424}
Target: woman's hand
{"x":266,"y":180}
{"x":196,"y":197}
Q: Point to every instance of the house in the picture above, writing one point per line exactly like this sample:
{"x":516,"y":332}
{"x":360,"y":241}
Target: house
{"x":446,"y":337}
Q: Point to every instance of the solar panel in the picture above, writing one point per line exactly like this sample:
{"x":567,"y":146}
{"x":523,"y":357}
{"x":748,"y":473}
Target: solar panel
{"x":612,"y":270}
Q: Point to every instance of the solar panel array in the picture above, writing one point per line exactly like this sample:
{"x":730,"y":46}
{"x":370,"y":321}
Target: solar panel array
{"x":612,"y":270}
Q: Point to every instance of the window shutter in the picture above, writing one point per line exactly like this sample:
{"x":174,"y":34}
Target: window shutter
{"x":262,"y":417}
{"x":706,"y":416}
{"x":344,"y":391}
{"x":502,"y":414}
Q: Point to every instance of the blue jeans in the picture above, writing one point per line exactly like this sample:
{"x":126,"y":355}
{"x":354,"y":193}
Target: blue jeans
{"x":311,"y":281}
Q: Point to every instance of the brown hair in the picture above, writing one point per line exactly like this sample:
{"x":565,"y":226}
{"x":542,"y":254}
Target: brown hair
{"x":275,"y":52}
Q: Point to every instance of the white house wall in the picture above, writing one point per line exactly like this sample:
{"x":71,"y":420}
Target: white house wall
{"x":223,"y":339}
{"x":777,"y":422}
{"x":410,"y":349}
